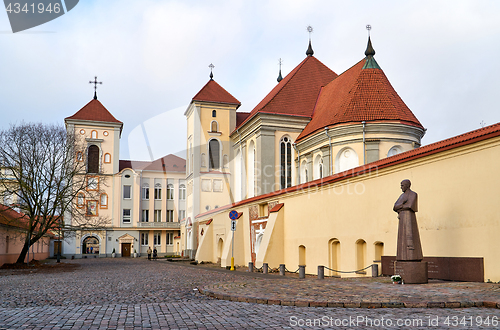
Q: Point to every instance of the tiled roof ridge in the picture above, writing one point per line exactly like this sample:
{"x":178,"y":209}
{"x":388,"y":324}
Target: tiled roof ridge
{"x":430,"y":149}
{"x":229,"y":98}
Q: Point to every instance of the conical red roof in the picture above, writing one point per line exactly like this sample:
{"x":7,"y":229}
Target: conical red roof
{"x":297,"y":93}
{"x":359,"y":94}
{"x":213,"y":92}
{"x":94,"y":111}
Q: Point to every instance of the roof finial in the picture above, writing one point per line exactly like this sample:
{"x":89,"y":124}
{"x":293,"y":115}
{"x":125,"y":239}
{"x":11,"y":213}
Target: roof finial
{"x":280,"y":78}
{"x":309,"y":51}
{"x":95,"y":82}
{"x":369,"y":49}
{"x":211,"y":66}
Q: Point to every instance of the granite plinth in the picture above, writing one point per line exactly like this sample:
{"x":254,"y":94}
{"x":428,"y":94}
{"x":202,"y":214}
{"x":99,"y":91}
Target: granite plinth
{"x":412,"y":272}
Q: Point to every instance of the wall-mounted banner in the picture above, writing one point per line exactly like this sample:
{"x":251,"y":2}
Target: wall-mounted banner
{"x":25,"y":14}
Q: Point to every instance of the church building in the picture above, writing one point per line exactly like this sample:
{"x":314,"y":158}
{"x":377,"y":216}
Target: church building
{"x":312,"y":171}
{"x":315,"y":168}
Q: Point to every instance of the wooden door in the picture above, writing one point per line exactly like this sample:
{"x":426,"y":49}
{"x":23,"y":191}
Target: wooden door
{"x":57,"y":247}
{"x":126,"y":249}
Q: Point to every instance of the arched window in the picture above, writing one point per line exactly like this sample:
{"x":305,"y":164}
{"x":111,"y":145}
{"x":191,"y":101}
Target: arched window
{"x":285,"y":163}
{"x":346,"y":159}
{"x":94,"y":134}
{"x":104,"y":201}
{"x":158,"y":191}
{"x":303,"y":172}
{"x":394,"y":151}
{"x":214,"y":154}
{"x":79,"y":156}
{"x":203,"y":160}
{"x":251,"y":170}
{"x":170,"y":191}
{"x":80,"y":200}
{"x":237,"y":176}
{"x":145,"y":191}
{"x":214,"y":126}
{"x":93,"y":159}
{"x":107,"y":158}
{"x":214,"y":113}
{"x":182,"y":192}
{"x":318,"y":167}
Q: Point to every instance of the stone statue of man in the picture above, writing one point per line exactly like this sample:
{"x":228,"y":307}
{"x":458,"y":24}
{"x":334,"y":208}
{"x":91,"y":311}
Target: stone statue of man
{"x":409,"y":247}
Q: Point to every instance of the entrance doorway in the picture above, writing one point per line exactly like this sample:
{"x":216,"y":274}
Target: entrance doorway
{"x":57,"y":247}
{"x":126,"y":249}
{"x":90,"y":245}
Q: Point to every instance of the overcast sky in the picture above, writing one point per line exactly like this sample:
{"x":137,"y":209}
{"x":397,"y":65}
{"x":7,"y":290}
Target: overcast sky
{"x":153,"y":57}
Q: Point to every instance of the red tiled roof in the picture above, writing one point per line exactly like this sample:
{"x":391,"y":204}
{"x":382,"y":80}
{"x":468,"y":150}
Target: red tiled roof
{"x":12,"y":218}
{"x":169,"y":163}
{"x":213,"y":92}
{"x":133,"y":164}
{"x":434,"y":148}
{"x":94,"y":111}
{"x":297,"y":93}
{"x":241,"y":117}
{"x":276,"y":208}
{"x":358,"y":95}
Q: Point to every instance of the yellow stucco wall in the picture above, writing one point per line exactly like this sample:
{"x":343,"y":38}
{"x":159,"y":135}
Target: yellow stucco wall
{"x":456,"y":218}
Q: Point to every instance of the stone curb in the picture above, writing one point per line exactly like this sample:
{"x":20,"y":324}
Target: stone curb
{"x":350,"y":304}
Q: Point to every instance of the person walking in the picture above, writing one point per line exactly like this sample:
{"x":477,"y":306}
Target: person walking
{"x":149,"y":253}
{"x":155,"y":254}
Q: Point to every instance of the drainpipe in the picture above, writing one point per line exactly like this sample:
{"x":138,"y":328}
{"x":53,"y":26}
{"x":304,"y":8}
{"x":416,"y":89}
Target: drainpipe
{"x":330,"y":143}
{"x":298,"y":157}
{"x":364,"y":143}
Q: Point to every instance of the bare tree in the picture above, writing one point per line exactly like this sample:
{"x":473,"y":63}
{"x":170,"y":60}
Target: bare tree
{"x":42,"y":178}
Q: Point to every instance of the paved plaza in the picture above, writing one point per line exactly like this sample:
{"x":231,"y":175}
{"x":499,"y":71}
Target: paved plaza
{"x":126,"y":293}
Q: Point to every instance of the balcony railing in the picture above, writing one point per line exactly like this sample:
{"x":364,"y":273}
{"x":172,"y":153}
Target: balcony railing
{"x":172,"y":225}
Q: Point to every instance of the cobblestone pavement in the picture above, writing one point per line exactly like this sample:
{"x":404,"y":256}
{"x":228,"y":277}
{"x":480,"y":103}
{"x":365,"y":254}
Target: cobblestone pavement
{"x":356,"y":292}
{"x":139,"y":294}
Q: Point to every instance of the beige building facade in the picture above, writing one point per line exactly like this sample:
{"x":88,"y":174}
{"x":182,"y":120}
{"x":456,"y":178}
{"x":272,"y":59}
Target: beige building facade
{"x":133,"y":205}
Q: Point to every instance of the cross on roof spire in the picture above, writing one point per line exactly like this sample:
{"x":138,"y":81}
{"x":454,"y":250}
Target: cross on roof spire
{"x":368,"y":27}
{"x":280,"y":78}
{"x":310,"y":30}
{"x":211,"y":66}
{"x":95,"y":82}
{"x":310,"y":51}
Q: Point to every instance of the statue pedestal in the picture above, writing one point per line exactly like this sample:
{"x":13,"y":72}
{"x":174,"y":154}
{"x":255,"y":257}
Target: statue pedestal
{"x":412,"y":272}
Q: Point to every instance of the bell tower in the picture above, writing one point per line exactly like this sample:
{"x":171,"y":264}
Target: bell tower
{"x":211,"y":118}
